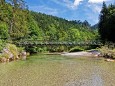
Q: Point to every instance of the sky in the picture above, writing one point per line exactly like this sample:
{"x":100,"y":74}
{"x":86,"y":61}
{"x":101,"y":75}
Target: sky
{"x":70,"y":9}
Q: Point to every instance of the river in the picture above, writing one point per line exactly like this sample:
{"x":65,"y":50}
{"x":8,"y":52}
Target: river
{"x":57,"y":70}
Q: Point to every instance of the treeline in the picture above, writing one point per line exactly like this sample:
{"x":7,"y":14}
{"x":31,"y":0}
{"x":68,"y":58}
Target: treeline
{"x":107,"y":23}
{"x":18,"y":23}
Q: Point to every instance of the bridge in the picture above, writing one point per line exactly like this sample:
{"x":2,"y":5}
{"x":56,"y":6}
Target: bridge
{"x":57,"y":43}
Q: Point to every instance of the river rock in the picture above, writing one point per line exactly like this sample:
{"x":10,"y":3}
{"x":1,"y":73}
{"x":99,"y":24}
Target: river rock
{"x":3,"y":59}
{"x":109,"y":60}
{"x":23,"y":55}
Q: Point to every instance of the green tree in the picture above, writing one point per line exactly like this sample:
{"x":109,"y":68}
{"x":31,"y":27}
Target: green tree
{"x":34,"y":31}
{"x":107,"y":23}
{"x":102,"y":23}
{"x":3,"y":30}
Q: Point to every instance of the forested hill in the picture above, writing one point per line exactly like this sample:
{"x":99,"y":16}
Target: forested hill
{"x":16,"y":22}
{"x":58,"y":29}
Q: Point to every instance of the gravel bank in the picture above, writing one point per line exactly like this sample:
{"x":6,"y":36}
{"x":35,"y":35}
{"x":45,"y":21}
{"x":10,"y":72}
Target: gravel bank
{"x":83,"y":53}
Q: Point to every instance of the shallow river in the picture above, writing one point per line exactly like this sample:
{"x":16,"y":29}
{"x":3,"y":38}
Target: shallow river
{"x":56,"y":70}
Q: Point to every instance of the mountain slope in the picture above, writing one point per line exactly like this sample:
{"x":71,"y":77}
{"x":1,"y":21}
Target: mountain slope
{"x":59,"y":29}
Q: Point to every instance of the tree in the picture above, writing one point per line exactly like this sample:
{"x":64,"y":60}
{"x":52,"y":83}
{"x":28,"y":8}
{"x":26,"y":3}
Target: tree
{"x":2,"y":2}
{"x":3,"y":30}
{"x":107,"y":23}
{"x":86,"y":23}
{"x":34,"y":31}
{"x":102,"y":22}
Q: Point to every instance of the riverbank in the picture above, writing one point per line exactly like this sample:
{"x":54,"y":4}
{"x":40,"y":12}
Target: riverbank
{"x":83,"y":53}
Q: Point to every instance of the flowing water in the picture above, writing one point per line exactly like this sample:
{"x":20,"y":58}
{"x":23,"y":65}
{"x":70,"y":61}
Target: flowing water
{"x":56,"y":70}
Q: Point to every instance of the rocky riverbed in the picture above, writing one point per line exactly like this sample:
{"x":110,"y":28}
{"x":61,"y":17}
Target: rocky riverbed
{"x":57,"y":70}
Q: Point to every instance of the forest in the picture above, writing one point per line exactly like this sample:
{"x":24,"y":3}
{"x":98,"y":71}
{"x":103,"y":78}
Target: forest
{"x":107,"y":23}
{"x":26,"y":58}
{"x":18,"y":23}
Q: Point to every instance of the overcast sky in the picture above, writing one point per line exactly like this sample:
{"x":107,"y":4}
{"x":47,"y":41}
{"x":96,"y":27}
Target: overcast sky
{"x":70,"y":9}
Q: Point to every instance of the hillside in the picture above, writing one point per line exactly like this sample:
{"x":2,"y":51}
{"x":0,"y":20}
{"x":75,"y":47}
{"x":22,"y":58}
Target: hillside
{"x":18,"y":23}
{"x":58,"y":29}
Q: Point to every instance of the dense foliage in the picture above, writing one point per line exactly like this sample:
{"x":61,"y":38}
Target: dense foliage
{"x":58,"y":29}
{"x":107,"y":23}
{"x":13,"y":19}
{"x":18,"y":23}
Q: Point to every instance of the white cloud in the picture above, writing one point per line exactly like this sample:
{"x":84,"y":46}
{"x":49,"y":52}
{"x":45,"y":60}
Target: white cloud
{"x":77,"y":2}
{"x":44,"y":9}
{"x":92,"y":11}
{"x":68,"y":3}
{"x":95,"y":7}
{"x":97,"y":1}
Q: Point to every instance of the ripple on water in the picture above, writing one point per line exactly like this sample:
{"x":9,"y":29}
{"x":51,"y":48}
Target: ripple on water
{"x":93,"y":80}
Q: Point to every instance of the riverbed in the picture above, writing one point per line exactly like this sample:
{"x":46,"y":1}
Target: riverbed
{"x":57,"y":70}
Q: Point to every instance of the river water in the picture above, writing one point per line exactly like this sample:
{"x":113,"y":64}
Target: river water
{"x":56,"y":70}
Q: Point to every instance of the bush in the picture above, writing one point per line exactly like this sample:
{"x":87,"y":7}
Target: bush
{"x":76,"y":49}
{"x":21,"y":49}
{"x":35,"y":49}
{"x":2,"y":44}
{"x":61,"y":49}
{"x":11,"y":51}
{"x":3,"y":30}
{"x":0,"y":56}
{"x":31,"y":49}
{"x":107,"y":52}
{"x":56,"y":48}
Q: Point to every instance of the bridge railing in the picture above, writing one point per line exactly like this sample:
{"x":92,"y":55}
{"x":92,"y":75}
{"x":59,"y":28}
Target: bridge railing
{"x":34,"y":42}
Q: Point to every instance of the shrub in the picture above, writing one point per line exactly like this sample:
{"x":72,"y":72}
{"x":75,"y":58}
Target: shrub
{"x":13,"y":49}
{"x":30,"y":49}
{"x":56,"y":49}
{"x":9,"y":52}
{"x":2,"y":44}
{"x":61,"y":49}
{"x":76,"y":49}
{"x":20,"y":49}
{"x":0,"y":57}
{"x":107,"y":52}
{"x":35,"y":49}
{"x":3,"y":30}
{"x":40,"y":49}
